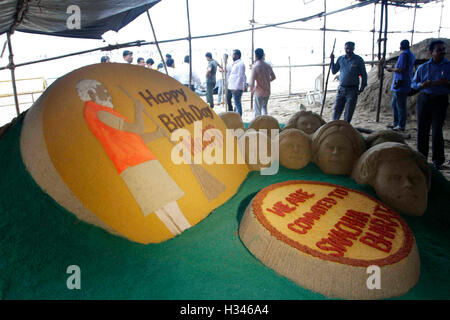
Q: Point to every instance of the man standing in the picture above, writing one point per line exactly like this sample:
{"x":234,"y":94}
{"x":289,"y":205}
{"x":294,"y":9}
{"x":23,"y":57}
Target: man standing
{"x":182,"y":75}
{"x":210,"y":78}
{"x":150,"y":63}
{"x":141,"y":62}
{"x":433,"y":79}
{"x":128,"y":56}
{"x":236,"y":80}
{"x":170,"y":63}
{"x":262,"y":74}
{"x":401,"y":85}
{"x":351,"y":67}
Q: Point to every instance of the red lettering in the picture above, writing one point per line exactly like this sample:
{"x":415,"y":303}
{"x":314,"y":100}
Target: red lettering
{"x":276,"y":211}
{"x":376,"y":242}
{"x":326,"y":245}
{"x":353,"y":235}
{"x":329,"y":200}
{"x":293,"y":227}
{"x":341,"y":191}
{"x":333,"y":194}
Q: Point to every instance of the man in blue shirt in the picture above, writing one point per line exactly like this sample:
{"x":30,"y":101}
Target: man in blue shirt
{"x":433,"y":79}
{"x":401,"y":85}
{"x":351,"y":67}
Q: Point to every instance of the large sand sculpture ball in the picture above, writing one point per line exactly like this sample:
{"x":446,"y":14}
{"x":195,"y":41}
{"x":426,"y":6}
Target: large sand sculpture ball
{"x":295,"y":148}
{"x":336,"y":147}
{"x":98,"y":141}
{"x":400,"y":176}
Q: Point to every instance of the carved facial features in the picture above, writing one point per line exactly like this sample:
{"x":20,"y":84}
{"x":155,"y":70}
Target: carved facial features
{"x":402,"y":185}
{"x":295,"y":152}
{"x":335,"y":155}
{"x":308,"y":124}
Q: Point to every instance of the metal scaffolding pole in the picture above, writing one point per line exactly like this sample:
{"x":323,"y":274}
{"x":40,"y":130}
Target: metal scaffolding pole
{"x":190,"y":44}
{"x":253,"y":47}
{"x":12,"y":67}
{"x":323,"y":46}
{"x":414,"y":24}
{"x":383,"y":58}
{"x":156,"y":41}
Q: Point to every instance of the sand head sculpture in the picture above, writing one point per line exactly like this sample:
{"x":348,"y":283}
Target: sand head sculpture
{"x":336,"y":146}
{"x":381,"y":136}
{"x":400,"y":176}
{"x":232,"y":120}
{"x":307,"y":121}
{"x":257,"y":148}
{"x":264,"y":122}
{"x":295,"y":148}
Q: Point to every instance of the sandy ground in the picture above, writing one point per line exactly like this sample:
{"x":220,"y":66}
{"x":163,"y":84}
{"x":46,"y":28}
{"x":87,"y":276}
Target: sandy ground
{"x":282,"y":106}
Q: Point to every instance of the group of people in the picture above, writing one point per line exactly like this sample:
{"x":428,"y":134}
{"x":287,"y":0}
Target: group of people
{"x":128,"y":58}
{"x":261,"y":77}
{"x":432,"y":79}
{"x":235,"y":78}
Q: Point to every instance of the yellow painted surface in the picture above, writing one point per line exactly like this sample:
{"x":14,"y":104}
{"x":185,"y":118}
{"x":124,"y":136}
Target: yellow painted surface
{"x":354,"y":200}
{"x":81,"y":161}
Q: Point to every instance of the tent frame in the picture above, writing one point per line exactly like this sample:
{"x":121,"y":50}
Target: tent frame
{"x":381,"y":39}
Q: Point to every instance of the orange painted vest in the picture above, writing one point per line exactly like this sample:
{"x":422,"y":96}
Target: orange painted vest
{"x":125,"y":149}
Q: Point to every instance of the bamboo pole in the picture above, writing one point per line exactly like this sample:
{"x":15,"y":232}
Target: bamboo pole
{"x":290,"y":76}
{"x":326,"y":81}
{"x":13,"y":75}
{"x":156,"y":42}
{"x":253,"y":47}
{"x":373,"y":31}
{"x":323,"y":44}
{"x":440,"y":20}
{"x":414,"y":23}
{"x":190,"y":44}
{"x":381,"y":66}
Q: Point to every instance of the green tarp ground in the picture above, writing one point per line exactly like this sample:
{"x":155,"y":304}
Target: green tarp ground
{"x":39,"y":240}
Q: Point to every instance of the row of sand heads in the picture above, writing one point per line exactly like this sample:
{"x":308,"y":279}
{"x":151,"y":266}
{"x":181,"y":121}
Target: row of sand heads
{"x":337,"y":148}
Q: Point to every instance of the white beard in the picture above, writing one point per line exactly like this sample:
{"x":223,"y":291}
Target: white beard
{"x":105,"y":103}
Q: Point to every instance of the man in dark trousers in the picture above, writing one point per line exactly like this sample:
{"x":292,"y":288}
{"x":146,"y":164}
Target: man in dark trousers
{"x":433,"y":79}
{"x":351,"y":67}
{"x":401,"y":86}
{"x":210,"y":78}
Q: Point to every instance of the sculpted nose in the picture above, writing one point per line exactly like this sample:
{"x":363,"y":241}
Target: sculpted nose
{"x":407,"y":182}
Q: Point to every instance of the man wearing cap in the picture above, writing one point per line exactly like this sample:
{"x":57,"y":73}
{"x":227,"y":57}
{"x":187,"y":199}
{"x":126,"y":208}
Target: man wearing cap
{"x":351,"y":67}
{"x":401,"y":85}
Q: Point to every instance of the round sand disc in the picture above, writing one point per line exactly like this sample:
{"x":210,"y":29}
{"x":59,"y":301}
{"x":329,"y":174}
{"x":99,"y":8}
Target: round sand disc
{"x":332,"y":240}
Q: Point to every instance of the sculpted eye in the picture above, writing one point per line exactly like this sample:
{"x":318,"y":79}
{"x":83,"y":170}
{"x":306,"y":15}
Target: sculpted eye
{"x":394,"y":177}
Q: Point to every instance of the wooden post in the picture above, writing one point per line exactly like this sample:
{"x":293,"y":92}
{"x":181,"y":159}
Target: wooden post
{"x":323,"y":47}
{"x":190,"y":44}
{"x":225,"y":83}
{"x":156,"y":41}
{"x":414,"y":23}
{"x":373,"y":31}
{"x":381,"y":65}
{"x":13,"y":75}
{"x":290,"y":91}
{"x":440,"y":20}
{"x":253,"y":47}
